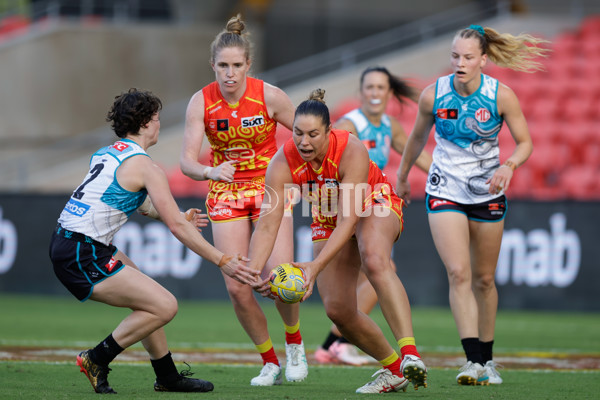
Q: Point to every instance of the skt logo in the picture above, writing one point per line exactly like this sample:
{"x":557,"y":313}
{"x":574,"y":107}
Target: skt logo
{"x":250,"y":122}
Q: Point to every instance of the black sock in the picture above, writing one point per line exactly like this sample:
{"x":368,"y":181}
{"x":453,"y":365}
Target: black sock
{"x":343,"y":340}
{"x":165,"y":369}
{"x":486,"y":350}
{"x":332,"y":337}
{"x":105,"y":351}
{"x":472,"y":350}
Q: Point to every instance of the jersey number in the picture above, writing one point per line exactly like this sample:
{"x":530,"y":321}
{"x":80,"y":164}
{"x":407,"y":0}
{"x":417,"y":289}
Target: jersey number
{"x":95,"y":171}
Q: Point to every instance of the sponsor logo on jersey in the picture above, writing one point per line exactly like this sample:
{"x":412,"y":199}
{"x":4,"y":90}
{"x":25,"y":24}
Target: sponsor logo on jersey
{"x":447,"y":113}
{"x":234,"y":114}
{"x":238,"y":153}
{"x":120,"y":146}
{"x":76,"y":208}
{"x":111,"y":264}
{"x":214,"y":110}
{"x":331,"y":183}
{"x":223,"y":124}
{"x":250,"y":122}
{"x":482,"y":115}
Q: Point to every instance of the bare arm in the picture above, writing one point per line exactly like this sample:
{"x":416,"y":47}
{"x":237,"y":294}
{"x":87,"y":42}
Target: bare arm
{"x":140,"y":172}
{"x":272,"y":210}
{"x":279,"y":106}
{"x":509,"y":108}
{"x":416,"y":141}
{"x":192,"y":145}
{"x":354,"y":171}
{"x":399,"y":139}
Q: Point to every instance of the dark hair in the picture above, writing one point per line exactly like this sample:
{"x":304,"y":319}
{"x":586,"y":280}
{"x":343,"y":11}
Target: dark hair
{"x":399,"y":87}
{"x":505,"y":50}
{"x":231,"y":36}
{"x":131,"y":110}
{"x":315,"y":105}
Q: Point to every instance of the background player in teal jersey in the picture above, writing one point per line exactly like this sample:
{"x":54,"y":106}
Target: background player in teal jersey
{"x":379,"y":132}
{"x":466,"y":183}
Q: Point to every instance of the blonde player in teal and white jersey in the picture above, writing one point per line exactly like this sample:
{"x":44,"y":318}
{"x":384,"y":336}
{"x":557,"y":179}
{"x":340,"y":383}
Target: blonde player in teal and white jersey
{"x":466,"y":184}
{"x":122,"y":177}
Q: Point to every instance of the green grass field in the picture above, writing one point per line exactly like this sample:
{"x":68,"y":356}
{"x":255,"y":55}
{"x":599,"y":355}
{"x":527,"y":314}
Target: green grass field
{"x":64,"y":326}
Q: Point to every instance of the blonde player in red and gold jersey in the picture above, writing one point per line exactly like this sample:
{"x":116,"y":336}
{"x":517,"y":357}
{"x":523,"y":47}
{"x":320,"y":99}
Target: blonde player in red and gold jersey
{"x":239,"y":115}
{"x":350,"y":197}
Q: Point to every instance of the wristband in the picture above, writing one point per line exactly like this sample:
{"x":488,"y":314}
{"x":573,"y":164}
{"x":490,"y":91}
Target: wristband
{"x":224,"y":260}
{"x":510,"y":165}
{"x":206,"y":172}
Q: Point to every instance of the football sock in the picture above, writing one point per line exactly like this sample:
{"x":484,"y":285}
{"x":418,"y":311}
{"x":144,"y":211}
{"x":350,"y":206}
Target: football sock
{"x":165,"y":369}
{"x":472,"y":350}
{"x":408,"y":346}
{"x":105,"y":351}
{"x":486,"y":350}
{"x":392,"y":363}
{"x":343,"y":340}
{"x":332,"y":337}
{"x":267,"y":352}
{"x":292,"y":334}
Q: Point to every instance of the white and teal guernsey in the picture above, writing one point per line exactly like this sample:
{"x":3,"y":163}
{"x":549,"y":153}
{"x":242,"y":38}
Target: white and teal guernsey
{"x":466,"y":135}
{"x":377,"y":139}
{"x":100,"y":206}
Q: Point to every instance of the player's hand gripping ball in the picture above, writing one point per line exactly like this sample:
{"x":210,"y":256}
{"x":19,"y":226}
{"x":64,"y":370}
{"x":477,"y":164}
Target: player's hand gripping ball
{"x":286,"y":282}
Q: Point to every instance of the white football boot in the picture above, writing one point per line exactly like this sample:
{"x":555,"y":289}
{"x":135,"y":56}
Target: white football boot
{"x":491,"y":370}
{"x":413,"y":369}
{"x":296,"y":368}
{"x":472,"y":374}
{"x":270,"y":375}
{"x":384,"y":383}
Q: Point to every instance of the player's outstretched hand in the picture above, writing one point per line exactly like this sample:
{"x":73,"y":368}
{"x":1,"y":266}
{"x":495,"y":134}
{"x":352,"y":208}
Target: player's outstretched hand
{"x":310,"y":275}
{"x":262,"y":286}
{"x":195,"y":216}
{"x":233,"y":267}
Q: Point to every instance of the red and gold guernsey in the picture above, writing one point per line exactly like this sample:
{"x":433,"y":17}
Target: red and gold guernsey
{"x":241,"y":132}
{"x":320,"y":186}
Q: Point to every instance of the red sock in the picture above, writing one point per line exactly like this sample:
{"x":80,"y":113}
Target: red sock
{"x":394,"y":367}
{"x":269,"y":356}
{"x":409,"y":349}
{"x":293,"y":338}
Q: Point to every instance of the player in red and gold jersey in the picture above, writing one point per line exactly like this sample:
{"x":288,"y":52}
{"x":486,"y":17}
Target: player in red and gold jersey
{"x":349,"y":196}
{"x":239,"y":116}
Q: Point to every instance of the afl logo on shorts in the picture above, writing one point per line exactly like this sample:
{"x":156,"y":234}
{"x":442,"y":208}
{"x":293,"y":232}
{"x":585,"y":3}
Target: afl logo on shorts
{"x":482,"y":115}
{"x":239,"y":154}
{"x":250,"y":122}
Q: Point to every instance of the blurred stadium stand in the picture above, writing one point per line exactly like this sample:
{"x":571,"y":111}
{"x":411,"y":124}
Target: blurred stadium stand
{"x":561,"y":105}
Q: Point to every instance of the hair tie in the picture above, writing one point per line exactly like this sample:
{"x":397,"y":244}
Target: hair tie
{"x":478,"y":28}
